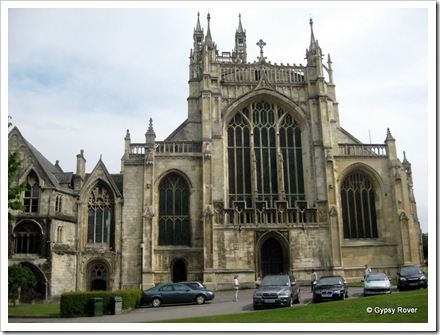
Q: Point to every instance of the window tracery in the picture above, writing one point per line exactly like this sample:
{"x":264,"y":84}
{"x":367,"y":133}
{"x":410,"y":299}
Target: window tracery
{"x":358,"y":207}
{"x":264,"y":156}
{"x":100,"y":209}
{"x":32,"y":193}
{"x":174,"y":221}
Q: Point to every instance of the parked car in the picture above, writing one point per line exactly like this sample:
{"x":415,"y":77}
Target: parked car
{"x":174,"y":293}
{"x":376,"y":283}
{"x":194,"y":284}
{"x":330,"y":288}
{"x":411,"y":277}
{"x":276,"y":290}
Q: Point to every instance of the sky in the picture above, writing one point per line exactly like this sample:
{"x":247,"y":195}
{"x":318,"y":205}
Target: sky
{"x":79,"y":77}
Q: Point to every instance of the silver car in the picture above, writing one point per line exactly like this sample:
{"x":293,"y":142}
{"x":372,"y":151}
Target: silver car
{"x":376,"y":283}
{"x":276,"y":290}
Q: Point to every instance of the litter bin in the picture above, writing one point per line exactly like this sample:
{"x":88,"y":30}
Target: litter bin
{"x":96,"y":308}
{"x":115,"y":305}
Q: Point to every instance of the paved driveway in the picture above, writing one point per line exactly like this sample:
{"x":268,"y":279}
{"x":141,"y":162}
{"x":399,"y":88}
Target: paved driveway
{"x":222,"y":304}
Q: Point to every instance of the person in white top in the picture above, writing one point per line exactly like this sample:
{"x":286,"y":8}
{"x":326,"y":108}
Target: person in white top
{"x":367,"y":270}
{"x":236,"y":286}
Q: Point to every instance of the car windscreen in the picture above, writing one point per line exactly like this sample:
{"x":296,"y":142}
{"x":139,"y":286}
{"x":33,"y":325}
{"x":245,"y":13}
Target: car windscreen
{"x":410,"y":271}
{"x":330,"y":281}
{"x":275,"y":281}
{"x":376,"y":277}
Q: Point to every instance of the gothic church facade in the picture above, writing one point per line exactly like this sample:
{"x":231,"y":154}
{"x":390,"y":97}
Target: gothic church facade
{"x":260,"y":178}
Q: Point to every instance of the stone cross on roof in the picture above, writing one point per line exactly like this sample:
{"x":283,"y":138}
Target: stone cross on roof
{"x":261,"y":44}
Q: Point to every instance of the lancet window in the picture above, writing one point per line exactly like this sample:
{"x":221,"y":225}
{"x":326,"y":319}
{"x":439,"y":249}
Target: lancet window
{"x":358,"y":207}
{"x":32,"y":193}
{"x":100,"y":215}
{"x":174,"y":220}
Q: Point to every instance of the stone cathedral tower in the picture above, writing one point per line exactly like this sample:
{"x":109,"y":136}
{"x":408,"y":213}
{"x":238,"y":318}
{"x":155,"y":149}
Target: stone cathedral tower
{"x":259,"y":178}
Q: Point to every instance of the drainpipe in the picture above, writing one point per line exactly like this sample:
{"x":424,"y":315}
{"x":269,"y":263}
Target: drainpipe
{"x":121,"y":249}
{"x":78,"y":248}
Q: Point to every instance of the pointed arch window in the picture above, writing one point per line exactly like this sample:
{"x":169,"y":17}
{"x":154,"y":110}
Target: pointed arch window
{"x":174,"y":221}
{"x":358,"y":207}
{"x":100,"y":215}
{"x":264,"y":156}
{"x":31,"y":196}
{"x":27,"y":238}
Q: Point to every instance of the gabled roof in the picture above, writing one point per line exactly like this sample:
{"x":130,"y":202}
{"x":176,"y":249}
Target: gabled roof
{"x":53,"y":173}
{"x":115,"y":180}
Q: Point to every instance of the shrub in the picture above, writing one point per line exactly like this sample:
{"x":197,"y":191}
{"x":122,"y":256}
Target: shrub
{"x":75,"y":304}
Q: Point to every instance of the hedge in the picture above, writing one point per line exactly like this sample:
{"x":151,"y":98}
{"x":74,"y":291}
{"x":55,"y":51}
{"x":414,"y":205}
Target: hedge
{"x":76,"y":304}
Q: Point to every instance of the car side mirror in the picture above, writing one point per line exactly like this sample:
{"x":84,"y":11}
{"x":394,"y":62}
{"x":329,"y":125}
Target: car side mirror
{"x":293,"y":283}
{"x":362,"y":280}
{"x":257,"y":285}
{"x":398,"y":273}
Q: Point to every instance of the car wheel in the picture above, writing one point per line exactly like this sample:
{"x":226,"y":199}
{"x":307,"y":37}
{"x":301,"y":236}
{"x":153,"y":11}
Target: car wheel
{"x":257,"y":307}
{"x":156,"y":302}
{"x":343,"y":297}
{"x":200,"y":299}
{"x":346,"y":294}
{"x":298,"y":298}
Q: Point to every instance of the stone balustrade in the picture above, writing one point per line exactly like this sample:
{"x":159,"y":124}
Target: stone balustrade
{"x":362,"y":150}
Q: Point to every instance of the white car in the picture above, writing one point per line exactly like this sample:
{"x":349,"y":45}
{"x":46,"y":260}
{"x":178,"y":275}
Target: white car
{"x":376,"y":283}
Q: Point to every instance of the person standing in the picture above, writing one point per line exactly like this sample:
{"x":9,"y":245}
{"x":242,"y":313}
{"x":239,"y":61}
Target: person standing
{"x":367,"y":270}
{"x":236,"y":286}
{"x":313,"y":278}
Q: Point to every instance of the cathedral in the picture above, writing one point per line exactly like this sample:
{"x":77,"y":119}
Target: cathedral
{"x":259,"y":178}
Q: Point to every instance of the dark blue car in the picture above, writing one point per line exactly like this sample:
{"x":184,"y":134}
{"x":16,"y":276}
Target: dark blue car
{"x":175,"y":293}
{"x":330,"y":288}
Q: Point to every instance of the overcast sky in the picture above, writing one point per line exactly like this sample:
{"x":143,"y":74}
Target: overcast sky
{"x":79,"y":78}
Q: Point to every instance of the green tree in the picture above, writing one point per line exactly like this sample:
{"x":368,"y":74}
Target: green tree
{"x":14,"y":192}
{"x":19,"y":276}
{"x":14,"y":189}
{"x":14,"y":165}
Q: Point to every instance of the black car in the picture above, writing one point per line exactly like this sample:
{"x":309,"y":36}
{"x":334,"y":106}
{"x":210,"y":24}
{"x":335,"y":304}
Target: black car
{"x":174,"y":293}
{"x":411,"y":277}
{"x":276,"y":290}
{"x":330,"y":288}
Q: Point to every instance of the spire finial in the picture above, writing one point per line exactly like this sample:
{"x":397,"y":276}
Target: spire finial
{"x":312,"y":37}
{"x":198,"y":27}
{"x":261,"y":44}
{"x":240,"y":27}
{"x":208,"y":33}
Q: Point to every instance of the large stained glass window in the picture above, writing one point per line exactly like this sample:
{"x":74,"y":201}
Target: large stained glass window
{"x":264,"y":156}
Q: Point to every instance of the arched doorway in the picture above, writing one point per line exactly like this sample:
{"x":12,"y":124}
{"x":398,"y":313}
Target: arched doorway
{"x":99,"y":277}
{"x":272,"y":253}
{"x":179,"y":271}
{"x":272,"y":260}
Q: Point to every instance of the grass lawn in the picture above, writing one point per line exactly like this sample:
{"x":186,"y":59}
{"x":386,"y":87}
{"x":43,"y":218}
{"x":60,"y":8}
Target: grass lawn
{"x":348,"y":311}
{"x":361,"y":310}
{"x":36,"y":310}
